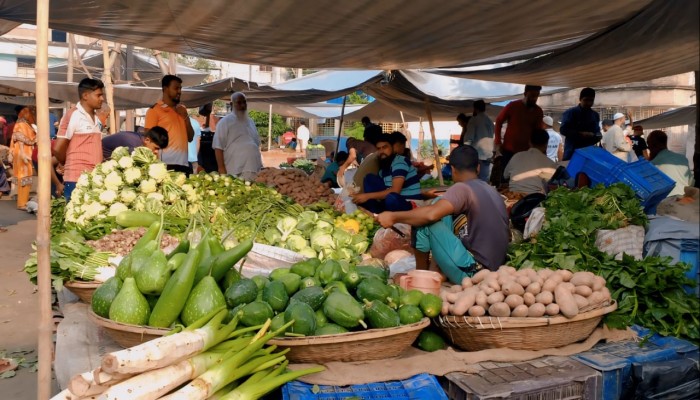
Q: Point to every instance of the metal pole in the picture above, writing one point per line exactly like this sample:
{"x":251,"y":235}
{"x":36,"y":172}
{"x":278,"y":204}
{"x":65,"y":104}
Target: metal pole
{"x":435,"y":146}
{"x":109,"y":90}
{"x":269,"y":129}
{"x":340,"y":127}
{"x":421,"y":137}
{"x":43,"y":242}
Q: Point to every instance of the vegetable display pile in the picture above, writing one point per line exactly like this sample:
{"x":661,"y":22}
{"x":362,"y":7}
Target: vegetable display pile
{"x":525,"y":293}
{"x":304,"y":189}
{"x":305,"y":165}
{"x":208,"y":360}
{"x":121,"y":242}
{"x":434,"y":182}
{"x":649,"y":292}
{"x":71,"y":259}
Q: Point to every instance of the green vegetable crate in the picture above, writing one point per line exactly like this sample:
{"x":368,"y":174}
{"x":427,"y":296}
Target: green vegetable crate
{"x":372,"y":344}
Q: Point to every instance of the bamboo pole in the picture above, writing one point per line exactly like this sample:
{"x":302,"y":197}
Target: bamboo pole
{"x":404,"y":128}
{"x":421,"y":138}
{"x":432,"y":136}
{"x":161,"y":63}
{"x":107,"y":80}
{"x":43,"y":241}
{"x":79,"y":58}
{"x":172,"y":63}
{"x":269,"y":129}
{"x":340,"y":127}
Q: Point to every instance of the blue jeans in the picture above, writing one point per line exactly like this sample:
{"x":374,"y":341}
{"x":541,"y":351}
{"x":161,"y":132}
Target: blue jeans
{"x":392,"y":202}
{"x":68,"y":188}
{"x":484,"y":170}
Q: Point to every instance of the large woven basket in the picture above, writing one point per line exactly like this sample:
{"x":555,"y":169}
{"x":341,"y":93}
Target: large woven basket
{"x":480,"y":333}
{"x":127,"y":335}
{"x":83,"y":290}
{"x":372,"y":344}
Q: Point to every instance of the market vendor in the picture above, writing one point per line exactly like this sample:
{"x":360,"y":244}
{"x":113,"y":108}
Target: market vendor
{"x":466,"y":229}
{"x":363,"y":154}
{"x":400,"y":148}
{"x":331,"y":173}
{"x":155,"y":139}
{"x":394,"y":186}
{"x":529,"y":171}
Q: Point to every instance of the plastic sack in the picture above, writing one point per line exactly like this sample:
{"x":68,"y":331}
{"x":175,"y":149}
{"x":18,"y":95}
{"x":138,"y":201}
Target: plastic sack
{"x":402,"y":266}
{"x":675,"y":379}
{"x":534,"y":223}
{"x":386,"y":240}
{"x":629,"y":240}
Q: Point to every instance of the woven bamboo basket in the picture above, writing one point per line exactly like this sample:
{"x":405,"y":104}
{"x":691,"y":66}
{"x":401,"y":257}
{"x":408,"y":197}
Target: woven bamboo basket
{"x":372,"y":344}
{"x":83,"y":290}
{"x":480,"y":333}
{"x":127,"y":335}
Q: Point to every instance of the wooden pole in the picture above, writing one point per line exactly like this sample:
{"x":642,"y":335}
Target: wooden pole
{"x":435,"y":146}
{"x":43,"y":241}
{"x":421,"y":138}
{"x":107,"y":80}
{"x":269,"y":129}
{"x":340,"y":127}
{"x":69,"y":72}
{"x":161,"y":63}
{"x":405,"y":129}
{"x":172,"y":63}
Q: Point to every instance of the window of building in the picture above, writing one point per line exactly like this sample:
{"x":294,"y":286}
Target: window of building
{"x":25,"y":67}
{"x":58,"y":36}
{"x":265,"y":68}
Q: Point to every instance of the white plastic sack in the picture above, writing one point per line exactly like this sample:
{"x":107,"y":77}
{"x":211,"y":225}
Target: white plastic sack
{"x":402,"y":266}
{"x":534,"y":223}
{"x":629,"y":240}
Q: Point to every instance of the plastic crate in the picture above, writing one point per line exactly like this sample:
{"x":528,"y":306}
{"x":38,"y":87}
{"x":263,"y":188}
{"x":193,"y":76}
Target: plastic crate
{"x":595,"y":162}
{"x":690,"y":254}
{"x":648,"y":182}
{"x":418,"y":387}
{"x":314,"y":154}
{"x":547,"y":378}
{"x":614,"y":360}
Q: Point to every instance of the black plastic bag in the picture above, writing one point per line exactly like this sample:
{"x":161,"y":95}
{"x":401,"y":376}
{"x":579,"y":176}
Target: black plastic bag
{"x":668,"y":380}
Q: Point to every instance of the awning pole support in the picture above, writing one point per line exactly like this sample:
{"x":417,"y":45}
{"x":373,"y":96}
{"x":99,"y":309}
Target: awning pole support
{"x":436,"y":151}
{"x":269,"y":129}
{"x":340,"y":127}
{"x":109,"y":90}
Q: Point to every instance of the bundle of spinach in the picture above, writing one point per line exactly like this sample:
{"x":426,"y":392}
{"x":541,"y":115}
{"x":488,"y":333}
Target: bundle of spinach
{"x":71,"y":259}
{"x":649,"y":292}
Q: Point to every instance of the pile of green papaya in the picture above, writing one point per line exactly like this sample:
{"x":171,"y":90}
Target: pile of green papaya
{"x":327,"y":298}
{"x":158,"y":290}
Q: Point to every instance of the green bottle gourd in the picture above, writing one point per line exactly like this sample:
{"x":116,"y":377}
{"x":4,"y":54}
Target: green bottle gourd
{"x":150,"y":267}
{"x":104,"y":296}
{"x":124,"y":268}
{"x":204,"y":298}
{"x":130,"y":306}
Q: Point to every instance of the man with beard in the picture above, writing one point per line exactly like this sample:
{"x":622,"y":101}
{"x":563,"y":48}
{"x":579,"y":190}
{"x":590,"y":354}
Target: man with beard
{"x":396,"y":183}
{"x":580,"y":125}
{"x":466,"y":229}
{"x":171,"y":115}
{"x":237,"y":143}
{"x":523,"y":117}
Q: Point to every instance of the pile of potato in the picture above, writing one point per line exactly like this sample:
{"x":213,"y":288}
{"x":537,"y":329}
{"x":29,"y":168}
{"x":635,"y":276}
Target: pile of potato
{"x":295,"y":183}
{"x":524,"y":293}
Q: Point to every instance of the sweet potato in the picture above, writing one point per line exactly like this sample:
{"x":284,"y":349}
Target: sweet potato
{"x":565,"y":274}
{"x":520,"y":311}
{"x":479,"y":276}
{"x":499,"y":310}
{"x":581,"y":301}
{"x":513,"y":288}
{"x":583,"y":290}
{"x":583,"y":279}
{"x":545,"y":298}
{"x":534,"y":288}
{"x":551,"y":309}
{"x":482,"y":299}
{"x":536,"y":310}
{"x":523,"y":281}
{"x":545,"y":273}
{"x":529,"y":299}
{"x":477,"y":311}
{"x":464,"y":302}
{"x":495,"y":297}
{"x":565,"y":300}
{"x":506,"y":269}
{"x":598,"y":283}
{"x":513,"y":301}
{"x":467,"y":282}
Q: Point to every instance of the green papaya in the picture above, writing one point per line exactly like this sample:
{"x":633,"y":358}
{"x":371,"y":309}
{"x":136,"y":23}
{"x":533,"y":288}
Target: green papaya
{"x":321,"y":318}
{"x":431,"y":305}
{"x":329,"y":329}
{"x":367,"y":271}
{"x":306,"y":268}
{"x":344,"y":310}
{"x":313,"y":296}
{"x":329,"y":271}
{"x":303,"y":316}
{"x":232,"y":313}
{"x":430,"y":341}
{"x":232,"y":276}
{"x":256,"y":313}
{"x":104,"y":295}
{"x":129,"y":306}
{"x":351,"y":279}
{"x":337,"y":285}
{"x":276,"y":295}
{"x":310,"y":281}
{"x":204,"y":298}
{"x":411,"y":297}
{"x":409,"y":314}
{"x":277,"y":323}
{"x":373,"y":289}
{"x":278,"y":272}
{"x":242,"y":292}
{"x":380,"y":315}
{"x":260,"y":281}
{"x":291,"y":282}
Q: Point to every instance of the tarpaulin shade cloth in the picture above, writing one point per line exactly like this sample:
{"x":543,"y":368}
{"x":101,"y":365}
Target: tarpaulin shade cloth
{"x":680,"y":116}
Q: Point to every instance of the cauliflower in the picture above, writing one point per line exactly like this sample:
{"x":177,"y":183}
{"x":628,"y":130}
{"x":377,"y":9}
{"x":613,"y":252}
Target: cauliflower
{"x":83,"y":181}
{"x":139,"y":203}
{"x":108,"y":197}
{"x":92,"y":210}
{"x":97,"y":180}
{"x":116,"y":208}
{"x":127,"y":196}
{"x":158,"y":172}
{"x":126,"y":162}
{"x":113,"y":181}
{"x":108,"y":166}
{"x":187,"y":188}
{"x":148,"y":186}
{"x":119,"y":153}
{"x":156,"y":196}
{"x":132,"y":175}
{"x":179,"y":179}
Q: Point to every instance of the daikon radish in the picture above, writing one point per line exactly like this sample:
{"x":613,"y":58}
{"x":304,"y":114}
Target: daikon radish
{"x":167,"y":350}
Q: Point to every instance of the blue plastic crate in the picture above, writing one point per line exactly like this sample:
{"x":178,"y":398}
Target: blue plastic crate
{"x":422,"y":386}
{"x":648,"y":182}
{"x":595,"y":162}
{"x":614,"y":360}
{"x":690,"y":253}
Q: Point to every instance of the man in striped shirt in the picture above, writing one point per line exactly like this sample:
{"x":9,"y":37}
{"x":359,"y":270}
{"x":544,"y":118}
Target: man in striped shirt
{"x":79,"y":139}
{"x":396,"y":183}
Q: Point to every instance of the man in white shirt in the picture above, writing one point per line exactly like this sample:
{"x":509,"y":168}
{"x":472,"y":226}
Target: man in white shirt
{"x":479,"y":134}
{"x":555,"y":145}
{"x":303,"y":136}
{"x":529,"y":171}
{"x":614,"y":139}
{"x":237,"y":143}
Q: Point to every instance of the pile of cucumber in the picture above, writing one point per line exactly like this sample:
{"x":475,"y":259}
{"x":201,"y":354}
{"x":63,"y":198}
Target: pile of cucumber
{"x":326,"y":298}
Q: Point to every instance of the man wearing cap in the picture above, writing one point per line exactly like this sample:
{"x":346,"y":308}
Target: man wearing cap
{"x":555,"y":146}
{"x":480,"y":136}
{"x":466,"y":229}
{"x":639,"y":145}
{"x":523,"y":117}
{"x":614,"y":139}
{"x":396,"y":183}
{"x":580,"y":125}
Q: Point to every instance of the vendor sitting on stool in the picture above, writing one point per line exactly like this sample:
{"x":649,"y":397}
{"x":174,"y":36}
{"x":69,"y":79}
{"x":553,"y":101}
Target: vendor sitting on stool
{"x":466,"y":229}
{"x":396,"y":183}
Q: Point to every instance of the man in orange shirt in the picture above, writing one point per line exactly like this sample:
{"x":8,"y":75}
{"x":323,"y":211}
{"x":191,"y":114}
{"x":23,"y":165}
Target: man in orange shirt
{"x":523,"y":117}
{"x":171,"y":115}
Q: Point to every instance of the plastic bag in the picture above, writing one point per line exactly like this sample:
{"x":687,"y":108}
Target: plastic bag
{"x":675,"y":379}
{"x":386,"y":240}
{"x":402,"y":266}
{"x":629,"y":240}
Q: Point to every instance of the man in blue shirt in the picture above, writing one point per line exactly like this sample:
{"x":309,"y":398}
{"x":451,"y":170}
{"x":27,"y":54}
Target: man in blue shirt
{"x":580,"y":125}
{"x":396,"y":183}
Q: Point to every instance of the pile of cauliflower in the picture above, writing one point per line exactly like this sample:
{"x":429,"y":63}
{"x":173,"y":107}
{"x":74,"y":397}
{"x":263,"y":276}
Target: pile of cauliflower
{"x":136,"y":181}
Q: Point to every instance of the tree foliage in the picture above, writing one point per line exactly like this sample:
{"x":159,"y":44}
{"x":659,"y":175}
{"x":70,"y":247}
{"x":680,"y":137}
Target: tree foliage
{"x":261,"y":120}
{"x":356,"y":130}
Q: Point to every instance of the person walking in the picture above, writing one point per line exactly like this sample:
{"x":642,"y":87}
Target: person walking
{"x":21,"y":148}
{"x":580,"y":125}
{"x":303,"y":136}
{"x":237,"y":142}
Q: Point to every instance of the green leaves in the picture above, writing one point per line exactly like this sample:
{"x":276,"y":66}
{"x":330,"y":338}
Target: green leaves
{"x":627,"y":281}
